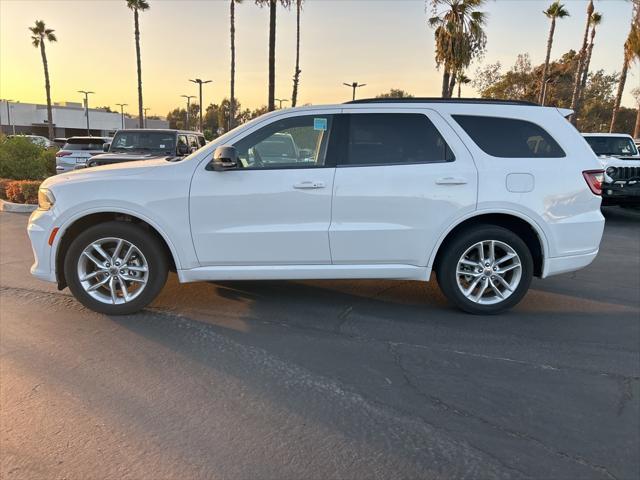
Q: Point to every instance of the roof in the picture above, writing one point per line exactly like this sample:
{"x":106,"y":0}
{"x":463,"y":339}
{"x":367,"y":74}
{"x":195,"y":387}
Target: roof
{"x":164,"y":130}
{"x":444,"y":100}
{"x":618,"y":135}
{"x":93,"y":137}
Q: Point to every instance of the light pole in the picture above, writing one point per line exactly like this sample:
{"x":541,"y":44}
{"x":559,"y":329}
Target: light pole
{"x":544,"y":90}
{"x":354,"y":85}
{"x":9,"y":117}
{"x":122,"y":105}
{"x":200,"y":83}
{"x":280,"y":100}
{"x":86,"y":107}
{"x":188,"y":97}
{"x":144,"y":114}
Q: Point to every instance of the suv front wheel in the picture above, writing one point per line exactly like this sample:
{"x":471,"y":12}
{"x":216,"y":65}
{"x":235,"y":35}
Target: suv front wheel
{"x":485,"y":270}
{"x":116,"y":268}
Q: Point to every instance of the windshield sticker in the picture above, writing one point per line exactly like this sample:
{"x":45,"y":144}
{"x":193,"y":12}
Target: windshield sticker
{"x":162,"y":146}
{"x":319,"y":123}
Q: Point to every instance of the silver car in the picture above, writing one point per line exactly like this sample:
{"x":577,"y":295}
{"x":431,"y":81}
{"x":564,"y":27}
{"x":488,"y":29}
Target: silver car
{"x":77,"y":151}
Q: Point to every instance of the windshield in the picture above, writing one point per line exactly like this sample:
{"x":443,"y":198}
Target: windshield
{"x":84,"y":144}
{"x":615,"y":146}
{"x":144,"y":141}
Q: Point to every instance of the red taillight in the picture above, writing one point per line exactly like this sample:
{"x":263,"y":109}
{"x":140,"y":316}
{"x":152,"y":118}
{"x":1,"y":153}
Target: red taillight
{"x":62,"y":153}
{"x":594,"y":179}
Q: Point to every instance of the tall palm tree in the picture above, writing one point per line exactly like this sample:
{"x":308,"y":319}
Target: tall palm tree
{"x":461,"y":79}
{"x":459,"y":36}
{"x":297,"y":71}
{"x":232,"y":97}
{"x":596,"y":19}
{"x":138,"y":6}
{"x":631,"y":54}
{"x":555,"y":11}
{"x":273,"y":4}
{"x":41,"y":34}
{"x":581,"y":60}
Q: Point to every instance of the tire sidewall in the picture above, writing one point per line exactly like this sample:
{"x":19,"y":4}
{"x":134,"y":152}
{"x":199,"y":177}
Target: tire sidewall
{"x":447,"y":277}
{"x":143,"y":240}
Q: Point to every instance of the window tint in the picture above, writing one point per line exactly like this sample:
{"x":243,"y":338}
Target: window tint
{"x":83,"y":144}
{"x":612,"y":145}
{"x":394,"y":138}
{"x":141,"y":141}
{"x":288,"y":143}
{"x":509,"y":138}
{"x":193,"y":142}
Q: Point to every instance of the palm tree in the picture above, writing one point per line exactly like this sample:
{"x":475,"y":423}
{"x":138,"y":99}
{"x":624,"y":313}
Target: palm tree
{"x":138,"y":6}
{"x":41,"y":34}
{"x":273,"y":4}
{"x":555,"y":11}
{"x":581,"y":60}
{"x":297,"y":71}
{"x":631,"y":53}
{"x":459,"y":37}
{"x":232,"y":97}
{"x":596,"y":19}
{"x":462,"y":79}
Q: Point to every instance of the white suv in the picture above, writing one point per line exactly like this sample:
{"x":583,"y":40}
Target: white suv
{"x":485,"y":193}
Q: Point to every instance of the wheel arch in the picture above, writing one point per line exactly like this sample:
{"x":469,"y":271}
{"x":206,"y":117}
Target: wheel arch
{"x":88,"y":219}
{"x":521,"y":225}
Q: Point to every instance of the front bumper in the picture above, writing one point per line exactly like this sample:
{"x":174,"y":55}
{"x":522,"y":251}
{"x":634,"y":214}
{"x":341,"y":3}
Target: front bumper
{"x":621,"y":193}
{"x":41,"y":224}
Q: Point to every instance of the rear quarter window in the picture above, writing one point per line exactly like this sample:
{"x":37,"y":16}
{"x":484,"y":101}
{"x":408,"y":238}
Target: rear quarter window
{"x":509,"y":137}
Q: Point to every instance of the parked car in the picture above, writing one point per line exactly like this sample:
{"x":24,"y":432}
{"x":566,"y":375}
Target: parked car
{"x":484,"y":193}
{"x":36,"y":140}
{"x":59,"y":141}
{"x":77,"y":151}
{"x":147,"y":144}
{"x":620,"y":159}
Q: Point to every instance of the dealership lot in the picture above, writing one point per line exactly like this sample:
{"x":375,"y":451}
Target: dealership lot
{"x":366,"y":379}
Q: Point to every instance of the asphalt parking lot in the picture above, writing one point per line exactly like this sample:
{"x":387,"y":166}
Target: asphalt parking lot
{"x":292,"y":380}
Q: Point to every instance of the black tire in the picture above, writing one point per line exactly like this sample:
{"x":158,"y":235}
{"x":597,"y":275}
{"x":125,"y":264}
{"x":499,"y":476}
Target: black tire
{"x":448,"y":263}
{"x":145,"y":241}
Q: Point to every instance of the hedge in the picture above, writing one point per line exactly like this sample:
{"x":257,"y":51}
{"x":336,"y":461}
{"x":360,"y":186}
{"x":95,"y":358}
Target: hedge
{"x":22,"y":160}
{"x":21,"y":191}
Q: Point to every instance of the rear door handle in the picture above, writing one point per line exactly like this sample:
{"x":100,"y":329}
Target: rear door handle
{"x":451,"y":181}
{"x":308,"y":185}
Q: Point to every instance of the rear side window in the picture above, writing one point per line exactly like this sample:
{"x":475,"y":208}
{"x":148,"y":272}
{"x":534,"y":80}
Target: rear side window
{"x":509,"y":137}
{"x":394,"y":139}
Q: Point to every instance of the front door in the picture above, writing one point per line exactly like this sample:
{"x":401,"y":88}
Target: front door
{"x":275,"y":208}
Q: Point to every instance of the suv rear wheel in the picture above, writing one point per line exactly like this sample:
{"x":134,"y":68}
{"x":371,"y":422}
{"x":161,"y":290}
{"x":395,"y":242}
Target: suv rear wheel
{"x":485,"y":270}
{"x":115,"y":268}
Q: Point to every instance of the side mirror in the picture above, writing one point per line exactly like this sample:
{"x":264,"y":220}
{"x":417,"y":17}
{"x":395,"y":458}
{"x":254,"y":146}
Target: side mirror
{"x":225,"y":157}
{"x":183,"y":149}
{"x":105,"y":147}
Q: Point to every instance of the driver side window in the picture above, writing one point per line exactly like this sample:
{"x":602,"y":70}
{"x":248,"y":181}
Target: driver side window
{"x":295,"y":142}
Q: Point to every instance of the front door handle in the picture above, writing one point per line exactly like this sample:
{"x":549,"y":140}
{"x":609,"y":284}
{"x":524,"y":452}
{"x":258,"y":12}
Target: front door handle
{"x":308,"y":185}
{"x":451,"y":181}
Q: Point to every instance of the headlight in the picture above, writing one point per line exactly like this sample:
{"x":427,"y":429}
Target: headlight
{"x":46,"y":200}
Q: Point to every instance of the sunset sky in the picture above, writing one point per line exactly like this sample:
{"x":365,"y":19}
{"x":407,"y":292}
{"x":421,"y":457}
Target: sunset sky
{"x":384,"y":43}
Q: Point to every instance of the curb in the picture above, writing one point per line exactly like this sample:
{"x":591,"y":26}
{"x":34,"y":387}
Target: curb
{"x":16,"y":207}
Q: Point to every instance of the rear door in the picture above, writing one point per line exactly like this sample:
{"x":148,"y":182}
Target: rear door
{"x":401,"y":179}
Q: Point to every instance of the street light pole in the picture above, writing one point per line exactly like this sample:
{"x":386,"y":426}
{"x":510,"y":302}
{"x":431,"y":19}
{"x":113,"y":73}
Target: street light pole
{"x":280,"y":100}
{"x":144,"y":114}
{"x":354,"y":85}
{"x":86,"y":107}
{"x":200,"y":83}
{"x":188,"y":97}
{"x":122,"y":105}
{"x":9,"y":118}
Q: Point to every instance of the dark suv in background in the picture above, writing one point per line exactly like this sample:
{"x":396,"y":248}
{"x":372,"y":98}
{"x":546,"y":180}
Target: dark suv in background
{"x":147,"y":144}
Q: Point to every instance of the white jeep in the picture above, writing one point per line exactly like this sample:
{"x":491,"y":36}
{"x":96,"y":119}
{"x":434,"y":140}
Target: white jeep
{"x":484,"y":193}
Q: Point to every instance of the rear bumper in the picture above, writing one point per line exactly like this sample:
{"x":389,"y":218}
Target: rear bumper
{"x":558,"y":265}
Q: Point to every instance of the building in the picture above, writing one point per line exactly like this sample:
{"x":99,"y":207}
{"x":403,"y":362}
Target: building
{"x":69,"y":119}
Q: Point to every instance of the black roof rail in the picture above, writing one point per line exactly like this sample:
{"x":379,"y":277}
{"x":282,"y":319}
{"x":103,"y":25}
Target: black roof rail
{"x":444,"y":100}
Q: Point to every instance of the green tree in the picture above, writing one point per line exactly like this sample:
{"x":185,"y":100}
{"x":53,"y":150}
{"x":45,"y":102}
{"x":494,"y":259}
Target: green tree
{"x":138,"y":6}
{"x":273,"y":4}
{"x":555,"y":11}
{"x":596,"y":19}
{"x":297,"y":71}
{"x":40,"y":34}
{"x":459,"y":37}
{"x":232,"y":21}
{"x":631,"y":53}
{"x":395,"y":93}
{"x":575,"y":98}
{"x":461,"y":79}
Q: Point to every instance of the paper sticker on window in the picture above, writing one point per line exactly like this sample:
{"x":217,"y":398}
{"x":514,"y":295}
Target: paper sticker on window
{"x":161,"y":146}
{"x":319,"y":123}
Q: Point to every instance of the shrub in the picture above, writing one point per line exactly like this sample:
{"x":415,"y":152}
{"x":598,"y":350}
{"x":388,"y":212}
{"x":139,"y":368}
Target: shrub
{"x":48,"y":158}
{"x":22,"y":160}
{"x":3,"y":187}
{"x":23,"y":191}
